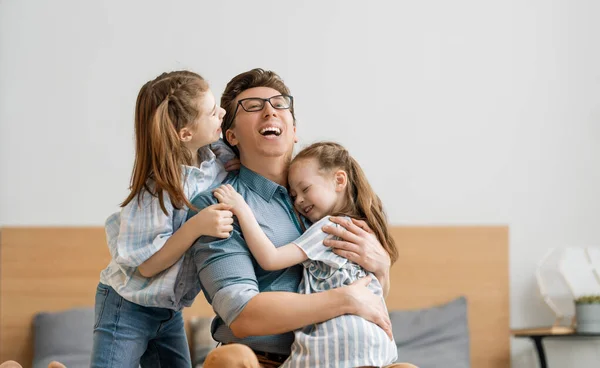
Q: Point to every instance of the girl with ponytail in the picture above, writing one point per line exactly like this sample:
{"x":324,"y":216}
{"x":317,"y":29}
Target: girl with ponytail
{"x":324,"y":180}
{"x":138,"y":319}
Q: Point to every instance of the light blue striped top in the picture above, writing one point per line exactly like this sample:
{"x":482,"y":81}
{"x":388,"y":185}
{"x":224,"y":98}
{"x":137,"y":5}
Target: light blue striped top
{"x":345,"y":341}
{"x":141,"y":229}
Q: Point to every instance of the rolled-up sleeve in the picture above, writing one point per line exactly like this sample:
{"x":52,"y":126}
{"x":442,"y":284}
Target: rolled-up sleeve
{"x":311,"y":242}
{"x":225,"y":269}
{"x":139,"y":230}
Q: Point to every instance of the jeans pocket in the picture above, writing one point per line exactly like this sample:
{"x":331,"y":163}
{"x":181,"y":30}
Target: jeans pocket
{"x":101,"y":296}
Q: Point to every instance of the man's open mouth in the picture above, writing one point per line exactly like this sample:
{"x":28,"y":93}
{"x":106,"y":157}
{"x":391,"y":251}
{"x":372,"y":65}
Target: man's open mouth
{"x":270,"y":131}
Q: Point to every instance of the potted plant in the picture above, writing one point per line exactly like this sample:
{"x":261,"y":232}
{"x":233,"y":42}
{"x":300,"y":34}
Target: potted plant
{"x":587,"y":309}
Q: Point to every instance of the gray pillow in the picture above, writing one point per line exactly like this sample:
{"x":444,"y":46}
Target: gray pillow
{"x":202,"y":341}
{"x":65,"y":336}
{"x":433,"y":337}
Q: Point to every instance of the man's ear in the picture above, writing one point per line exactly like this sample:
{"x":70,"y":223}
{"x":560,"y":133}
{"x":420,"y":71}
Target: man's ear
{"x":185,"y":134}
{"x":341,"y":180}
{"x":230,"y":136}
{"x":295,"y":134}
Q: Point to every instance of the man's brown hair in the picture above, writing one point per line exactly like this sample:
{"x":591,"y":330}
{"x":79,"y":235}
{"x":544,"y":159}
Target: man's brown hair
{"x":250,"y":79}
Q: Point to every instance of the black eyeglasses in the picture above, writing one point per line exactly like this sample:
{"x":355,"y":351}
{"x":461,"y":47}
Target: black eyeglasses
{"x":252,"y":104}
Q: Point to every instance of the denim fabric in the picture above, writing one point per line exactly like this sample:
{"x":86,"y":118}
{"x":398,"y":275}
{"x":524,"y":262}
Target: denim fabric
{"x":129,"y":335}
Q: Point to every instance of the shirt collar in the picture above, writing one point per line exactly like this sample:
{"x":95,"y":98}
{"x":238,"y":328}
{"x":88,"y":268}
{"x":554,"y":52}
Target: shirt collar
{"x":258,"y":183}
{"x":205,"y":154}
{"x":206,"y":157}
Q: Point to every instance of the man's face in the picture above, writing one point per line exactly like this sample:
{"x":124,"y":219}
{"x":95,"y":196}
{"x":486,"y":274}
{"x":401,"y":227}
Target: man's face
{"x":269,"y":132}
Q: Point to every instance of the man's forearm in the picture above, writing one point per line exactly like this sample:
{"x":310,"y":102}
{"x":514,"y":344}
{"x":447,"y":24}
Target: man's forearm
{"x":271,"y":313}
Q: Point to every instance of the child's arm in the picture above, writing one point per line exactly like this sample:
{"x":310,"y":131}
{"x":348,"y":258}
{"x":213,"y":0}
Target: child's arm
{"x":215,"y":221}
{"x":269,"y":257}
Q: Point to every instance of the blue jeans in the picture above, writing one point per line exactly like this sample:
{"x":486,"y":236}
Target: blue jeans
{"x":129,"y":335}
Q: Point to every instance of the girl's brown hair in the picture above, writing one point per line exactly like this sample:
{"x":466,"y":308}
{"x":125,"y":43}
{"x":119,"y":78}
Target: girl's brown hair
{"x":164,"y":106}
{"x":361,"y":201}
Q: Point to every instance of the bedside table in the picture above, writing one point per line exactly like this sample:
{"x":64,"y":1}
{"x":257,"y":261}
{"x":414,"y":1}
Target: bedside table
{"x":537,"y":335}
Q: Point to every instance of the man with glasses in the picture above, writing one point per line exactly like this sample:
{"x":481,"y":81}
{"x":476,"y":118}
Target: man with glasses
{"x":258,"y":309}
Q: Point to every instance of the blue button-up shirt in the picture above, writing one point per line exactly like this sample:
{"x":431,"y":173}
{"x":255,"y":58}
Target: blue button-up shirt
{"x":229,"y":274}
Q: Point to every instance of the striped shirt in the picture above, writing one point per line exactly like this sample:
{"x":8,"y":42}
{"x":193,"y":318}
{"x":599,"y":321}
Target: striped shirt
{"x":344,"y":341}
{"x":230,"y":276}
{"x":141,"y":229}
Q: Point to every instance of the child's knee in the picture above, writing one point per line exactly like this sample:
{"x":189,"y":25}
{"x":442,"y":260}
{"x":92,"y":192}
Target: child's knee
{"x":10,"y":364}
{"x":55,"y":364}
{"x":231,"y":356}
{"x":401,"y":365}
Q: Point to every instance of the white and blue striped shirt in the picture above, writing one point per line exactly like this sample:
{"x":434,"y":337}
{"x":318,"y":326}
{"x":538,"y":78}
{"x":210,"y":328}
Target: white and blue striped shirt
{"x":141,"y":229}
{"x":344,"y":341}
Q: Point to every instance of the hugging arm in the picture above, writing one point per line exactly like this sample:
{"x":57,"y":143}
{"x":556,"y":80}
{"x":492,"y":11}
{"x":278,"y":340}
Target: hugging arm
{"x":214,"y":220}
{"x":269,"y":257}
{"x":152,"y":249}
{"x":227,"y":276}
{"x":360,"y":245}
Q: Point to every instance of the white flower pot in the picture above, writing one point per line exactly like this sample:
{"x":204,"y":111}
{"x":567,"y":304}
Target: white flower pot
{"x":588,"y":318}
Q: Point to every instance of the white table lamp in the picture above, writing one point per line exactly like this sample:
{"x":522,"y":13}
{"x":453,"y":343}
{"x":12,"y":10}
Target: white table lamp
{"x":554,"y":289}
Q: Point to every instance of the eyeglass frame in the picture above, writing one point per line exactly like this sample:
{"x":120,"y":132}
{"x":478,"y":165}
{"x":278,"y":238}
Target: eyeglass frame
{"x":264,"y":104}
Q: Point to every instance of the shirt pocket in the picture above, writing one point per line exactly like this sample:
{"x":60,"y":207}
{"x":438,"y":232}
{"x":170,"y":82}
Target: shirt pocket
{"x":101,"y":296}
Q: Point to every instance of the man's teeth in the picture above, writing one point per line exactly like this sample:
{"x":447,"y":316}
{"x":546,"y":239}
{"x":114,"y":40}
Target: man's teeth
{"x":275,"y":130}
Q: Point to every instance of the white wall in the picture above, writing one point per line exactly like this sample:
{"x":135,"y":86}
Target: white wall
{"x":461,"y":112}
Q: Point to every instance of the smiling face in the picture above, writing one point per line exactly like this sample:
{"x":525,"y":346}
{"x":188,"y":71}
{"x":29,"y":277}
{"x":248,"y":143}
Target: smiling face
{"x":316,"y":193}
{"x":266,"y":133}
{"x":207,"y":128}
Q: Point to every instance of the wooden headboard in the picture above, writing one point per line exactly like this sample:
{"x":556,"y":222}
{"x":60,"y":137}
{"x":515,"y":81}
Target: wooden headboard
{"x":52,"y":269}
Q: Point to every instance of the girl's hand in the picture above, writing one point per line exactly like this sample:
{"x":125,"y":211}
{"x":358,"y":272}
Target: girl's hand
{"x":215,"y":221}
{"x":369,"y":306}
{"x":227,"y":195}
{"x":359,"y":245}
{"x":233,"y":164}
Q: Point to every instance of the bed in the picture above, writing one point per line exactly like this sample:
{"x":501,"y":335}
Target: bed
{"x":51,"y":269}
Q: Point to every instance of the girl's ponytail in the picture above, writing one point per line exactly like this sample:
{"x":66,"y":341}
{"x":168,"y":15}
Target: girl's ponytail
{"x":167,"y":157}
{"x":164,"y":106}
{"x":370,"y":207}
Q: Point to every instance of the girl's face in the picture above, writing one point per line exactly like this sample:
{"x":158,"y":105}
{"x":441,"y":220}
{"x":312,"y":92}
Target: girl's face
{"x":315,"y":193}
{"x":207,"y":128}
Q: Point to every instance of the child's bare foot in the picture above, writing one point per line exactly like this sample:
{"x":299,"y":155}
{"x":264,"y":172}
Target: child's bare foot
{"x":55,"y":364}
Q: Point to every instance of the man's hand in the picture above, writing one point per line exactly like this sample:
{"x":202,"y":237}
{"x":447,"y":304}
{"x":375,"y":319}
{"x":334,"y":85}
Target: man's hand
{"x":233,"y":164}
{"x":368,"y":305}
{"x":359,"y":245}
